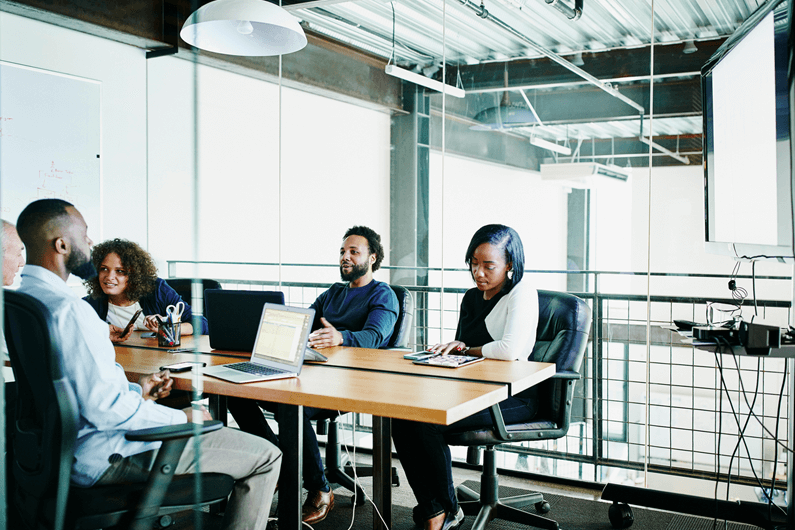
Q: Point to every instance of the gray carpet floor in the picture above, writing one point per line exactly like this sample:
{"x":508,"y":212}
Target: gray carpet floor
{"x":571,"y":513}
{"x":574,"y":509}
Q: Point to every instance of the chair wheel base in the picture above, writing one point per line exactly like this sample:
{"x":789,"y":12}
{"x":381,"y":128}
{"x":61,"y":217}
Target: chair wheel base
{"x":620,"y":515}
{"x":542,"y":507}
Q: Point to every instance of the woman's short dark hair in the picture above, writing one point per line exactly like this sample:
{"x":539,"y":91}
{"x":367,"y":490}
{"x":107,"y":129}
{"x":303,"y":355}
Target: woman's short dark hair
{"x":508,"y":240}
{"x":141,"y":269}
{"x":373,"y":241}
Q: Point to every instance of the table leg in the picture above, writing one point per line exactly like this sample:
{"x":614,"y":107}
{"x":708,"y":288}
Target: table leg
{"x":382,"y":472}
{"x":218,"y":408}
{"x":291,"y":436}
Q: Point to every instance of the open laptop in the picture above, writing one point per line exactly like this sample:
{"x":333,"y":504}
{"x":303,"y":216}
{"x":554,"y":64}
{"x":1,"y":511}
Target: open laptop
{"x":278,"y":350}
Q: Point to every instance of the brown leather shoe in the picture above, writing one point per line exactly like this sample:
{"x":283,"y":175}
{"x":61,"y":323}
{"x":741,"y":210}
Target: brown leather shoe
{"x":317,"y":506}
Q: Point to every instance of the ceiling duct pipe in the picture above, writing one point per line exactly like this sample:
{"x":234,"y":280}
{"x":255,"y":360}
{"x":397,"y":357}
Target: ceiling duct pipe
{"x":571,"y":13}
{"x":480,"y":10}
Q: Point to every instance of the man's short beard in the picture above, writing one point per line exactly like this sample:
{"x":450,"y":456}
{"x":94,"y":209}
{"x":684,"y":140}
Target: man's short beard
{"x":80,"y":265}
{"x":357,"y":271}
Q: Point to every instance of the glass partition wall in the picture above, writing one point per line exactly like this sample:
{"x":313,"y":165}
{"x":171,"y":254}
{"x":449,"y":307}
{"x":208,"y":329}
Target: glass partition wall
{"x":249,"y":171}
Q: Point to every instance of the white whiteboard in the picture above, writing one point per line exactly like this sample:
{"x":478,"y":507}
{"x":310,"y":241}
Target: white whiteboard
{"x":49,"y":142}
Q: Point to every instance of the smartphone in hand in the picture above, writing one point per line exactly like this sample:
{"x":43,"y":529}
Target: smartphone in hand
{"x":131,"y":323}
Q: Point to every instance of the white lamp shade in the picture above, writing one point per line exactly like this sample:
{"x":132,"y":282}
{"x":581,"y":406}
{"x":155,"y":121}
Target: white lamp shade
{"x":243,"y":27}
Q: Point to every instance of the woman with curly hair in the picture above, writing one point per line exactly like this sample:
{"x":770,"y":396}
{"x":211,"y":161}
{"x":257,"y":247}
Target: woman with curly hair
{"x":127,"y":281}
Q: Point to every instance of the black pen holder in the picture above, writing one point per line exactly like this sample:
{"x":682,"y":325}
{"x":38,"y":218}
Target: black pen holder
{"x":168,"y":333}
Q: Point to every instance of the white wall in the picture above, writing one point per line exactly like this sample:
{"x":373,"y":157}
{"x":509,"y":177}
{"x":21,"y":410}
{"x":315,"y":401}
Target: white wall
{"x":121,"y":71}
{"x":677,"y":239}
{"x":334,"y":171}
{"x":474,"y":193}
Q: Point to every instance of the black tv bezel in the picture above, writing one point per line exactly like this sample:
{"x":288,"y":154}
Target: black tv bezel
{"x":732,"y":248}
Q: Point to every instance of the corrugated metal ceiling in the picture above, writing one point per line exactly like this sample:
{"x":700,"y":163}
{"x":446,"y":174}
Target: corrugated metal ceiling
{"x":605,"y":24}
{"x":420,"y":34}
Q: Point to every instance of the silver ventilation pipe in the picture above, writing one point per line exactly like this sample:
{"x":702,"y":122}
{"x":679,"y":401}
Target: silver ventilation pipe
{"x":572,"y":13}
{"x":480,"y":10}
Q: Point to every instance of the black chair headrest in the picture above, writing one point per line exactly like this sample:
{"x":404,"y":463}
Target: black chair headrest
{"x":402,"y":332}
{"x":564,"y":323}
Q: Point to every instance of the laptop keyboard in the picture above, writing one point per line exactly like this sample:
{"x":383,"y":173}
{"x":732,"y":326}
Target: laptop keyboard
{"x":251,"y":368}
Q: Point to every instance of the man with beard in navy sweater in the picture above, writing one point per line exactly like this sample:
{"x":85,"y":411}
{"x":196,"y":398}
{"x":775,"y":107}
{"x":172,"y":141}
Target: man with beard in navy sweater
{"x":359,"y":312}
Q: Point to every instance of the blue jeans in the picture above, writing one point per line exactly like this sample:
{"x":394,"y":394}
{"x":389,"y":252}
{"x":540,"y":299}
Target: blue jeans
{"x":426,"y":459}
{"x":250,"y":419}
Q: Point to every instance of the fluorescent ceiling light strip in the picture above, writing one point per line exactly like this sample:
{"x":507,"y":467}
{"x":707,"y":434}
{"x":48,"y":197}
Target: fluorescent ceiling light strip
{"x":540,"y":142}
{"x":427,"y":82}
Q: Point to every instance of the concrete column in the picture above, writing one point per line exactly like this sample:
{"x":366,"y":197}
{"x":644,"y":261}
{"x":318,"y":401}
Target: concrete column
{"x":409,"y":192}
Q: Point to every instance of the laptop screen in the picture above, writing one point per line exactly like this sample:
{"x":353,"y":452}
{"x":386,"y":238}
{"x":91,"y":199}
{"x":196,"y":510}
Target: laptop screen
{"x":282,"y":334}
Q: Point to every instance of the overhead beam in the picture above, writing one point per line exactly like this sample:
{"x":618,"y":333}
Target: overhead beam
{"x":605,"y":65}
{"x":584,"y":103}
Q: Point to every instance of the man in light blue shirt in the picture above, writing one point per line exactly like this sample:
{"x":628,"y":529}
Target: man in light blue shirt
{"x":55,"y":235}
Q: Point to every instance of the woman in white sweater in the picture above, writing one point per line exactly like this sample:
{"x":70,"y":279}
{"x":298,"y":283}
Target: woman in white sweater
{"x":498,"y":320}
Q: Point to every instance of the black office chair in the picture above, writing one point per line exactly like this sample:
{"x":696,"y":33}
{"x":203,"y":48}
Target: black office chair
{"x":334,"y":470}
{"x":40,"y":448}
{"x":564,"y":323}
{"x":183,"y":287}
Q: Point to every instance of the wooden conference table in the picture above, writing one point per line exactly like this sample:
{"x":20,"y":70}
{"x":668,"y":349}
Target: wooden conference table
{"x":376,"y":382}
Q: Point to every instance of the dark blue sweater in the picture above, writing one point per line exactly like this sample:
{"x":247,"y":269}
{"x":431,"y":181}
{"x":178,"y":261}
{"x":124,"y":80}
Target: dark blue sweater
{"x":365,"y":316}
{"x":154,"y":303}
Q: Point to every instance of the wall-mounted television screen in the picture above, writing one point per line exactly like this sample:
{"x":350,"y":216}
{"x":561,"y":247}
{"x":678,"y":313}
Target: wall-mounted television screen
{"x":748,"y":182}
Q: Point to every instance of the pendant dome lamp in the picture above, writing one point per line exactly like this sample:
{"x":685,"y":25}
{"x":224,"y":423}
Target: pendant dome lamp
{"x":243,"y":27}
{"x":506,"y":115}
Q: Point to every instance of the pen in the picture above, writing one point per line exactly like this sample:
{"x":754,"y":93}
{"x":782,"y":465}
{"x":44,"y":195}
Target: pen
{"x":180,"y":350}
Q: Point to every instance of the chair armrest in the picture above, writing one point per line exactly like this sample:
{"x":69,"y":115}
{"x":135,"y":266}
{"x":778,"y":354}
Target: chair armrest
{"x":567,"y":374}
{"x":561,"y":407}
{"x":171,"y":432}
{"x":498,"y":422}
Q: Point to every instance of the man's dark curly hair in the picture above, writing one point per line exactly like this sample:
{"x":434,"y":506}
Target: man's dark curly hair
{"x":141,"y":269}
{"x":373,"y":241}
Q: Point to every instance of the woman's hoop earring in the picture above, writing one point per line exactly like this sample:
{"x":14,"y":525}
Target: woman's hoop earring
{"x":510,"y":274}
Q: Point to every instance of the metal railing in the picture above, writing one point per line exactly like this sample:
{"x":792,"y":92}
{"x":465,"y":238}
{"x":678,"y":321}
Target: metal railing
{"x":648,"y":400}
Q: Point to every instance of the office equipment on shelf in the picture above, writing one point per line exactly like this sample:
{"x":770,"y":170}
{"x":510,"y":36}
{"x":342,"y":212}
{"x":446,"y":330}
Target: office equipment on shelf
{"x":712,"y":333}
{"x":279,"y":349}
{"x":759,"y":338}
{"x":748,"y":342}
{"x":233,"y":316}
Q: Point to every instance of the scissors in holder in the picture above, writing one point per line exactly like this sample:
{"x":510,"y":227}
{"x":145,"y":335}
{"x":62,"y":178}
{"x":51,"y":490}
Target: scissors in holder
{"x":174,"y":312}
